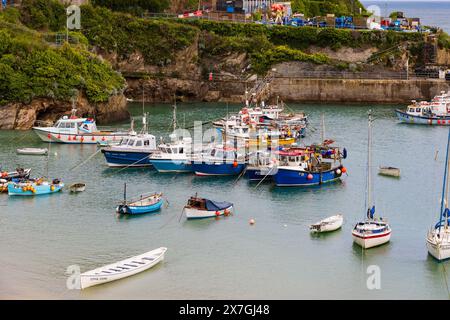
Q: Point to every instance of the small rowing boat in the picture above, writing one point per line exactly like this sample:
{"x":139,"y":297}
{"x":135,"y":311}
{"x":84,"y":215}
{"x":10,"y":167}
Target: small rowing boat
{"x":389,"y":171}
{"x":198,"y":208}
{"x":77,"y":187}
{"x":329,"y":224}
{"x":32,"y":151}
{"x":122,"y":269}
{"x":144,"y":204}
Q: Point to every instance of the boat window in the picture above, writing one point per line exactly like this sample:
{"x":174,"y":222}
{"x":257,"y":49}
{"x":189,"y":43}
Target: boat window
{"x":213,"y":152}
{"x":146,"y":142}
{"x":72,"y":125}
{"x":417,"y":109}
{"x":181,"y":150}
{"x":124,"y":141}
{"x":139,"y":143}
{"x":130,"y":142}
{"x":219,"y":154}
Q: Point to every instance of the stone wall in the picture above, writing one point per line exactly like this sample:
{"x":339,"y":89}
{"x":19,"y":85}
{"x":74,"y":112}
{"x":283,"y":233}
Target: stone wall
{"x":357,"y":91}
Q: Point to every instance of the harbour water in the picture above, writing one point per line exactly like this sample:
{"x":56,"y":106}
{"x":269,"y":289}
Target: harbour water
{"x":431,"y":13}
{"x":277,"y":258}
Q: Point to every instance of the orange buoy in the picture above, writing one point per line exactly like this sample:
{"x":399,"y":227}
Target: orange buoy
{"x":235,"y":164}
{"x":344,"y":169}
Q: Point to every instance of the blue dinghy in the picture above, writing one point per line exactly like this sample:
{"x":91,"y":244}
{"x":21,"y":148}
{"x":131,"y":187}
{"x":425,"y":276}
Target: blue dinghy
{"x":144,"y":204}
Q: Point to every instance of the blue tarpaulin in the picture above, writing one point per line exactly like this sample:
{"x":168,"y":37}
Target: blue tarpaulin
{"x":215,"y":205}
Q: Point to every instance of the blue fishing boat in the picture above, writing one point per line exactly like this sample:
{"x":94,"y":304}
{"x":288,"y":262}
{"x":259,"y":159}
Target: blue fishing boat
{"x":173,"y":157}
{"x":314,"y":165}
{"x":143,"y":204}
{"x":219,"y":161}
{"x":261,"y":166}
{"x":133,"y":150}
{"x":34,"y":188}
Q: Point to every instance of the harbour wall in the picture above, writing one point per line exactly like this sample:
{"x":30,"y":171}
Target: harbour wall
{"x":356,"y":90}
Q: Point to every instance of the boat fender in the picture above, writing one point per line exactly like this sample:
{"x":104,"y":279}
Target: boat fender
{"x":309,"y":176}
{"x":49,"y":136}
{"x":235,"y":164}
{"x":226,"y":212}
{"x":52,"y":188}
{"x":338,"y":171}
{"x":217,"y":213}
{"x":344,"y":169}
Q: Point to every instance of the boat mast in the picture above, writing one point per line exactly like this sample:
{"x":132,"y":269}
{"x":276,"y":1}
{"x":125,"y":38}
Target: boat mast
{"x":369,"y":163}
{"x":125,"y":193}
{"x":323,"y":128}
{"x":174,"y":120}
{"x":444,"y":200}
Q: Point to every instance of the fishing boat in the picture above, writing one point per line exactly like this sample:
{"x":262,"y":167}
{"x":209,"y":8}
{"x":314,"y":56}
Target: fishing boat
{"x":329,"y":224}
{"x":261,"y":166}
{"x":142,"y":204}
{"x":438,"y":237}
{"x":20,"y":173}
{"x":74,"y":130}
{"x":198,"y":208}
{"x":122,"y":269}
{"x":32,"y":151}
{"x":219,"y":160}
{"x":133,"y":150}
{"x":371,"y":232}
{"x":77,"y":187}
{"x":389,"y":171}
{"x":435,"y":112}
{"x":307,"y":166}
{"x":34,"y":187}
{"x":173,"y":157}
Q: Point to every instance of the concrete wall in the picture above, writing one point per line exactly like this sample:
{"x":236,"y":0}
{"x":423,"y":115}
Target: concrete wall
{"x":345,"y":90}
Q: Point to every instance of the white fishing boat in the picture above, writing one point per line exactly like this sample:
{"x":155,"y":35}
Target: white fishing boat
{"x":122,"y":269}
{"x":438,"y":237}
{"x":198,"y":208}
{"x":75,"y":130}
{"x":32,"y":151}
{"x":389,"y":171}
{"x":372,"y":232}
{"x":329,"y":224}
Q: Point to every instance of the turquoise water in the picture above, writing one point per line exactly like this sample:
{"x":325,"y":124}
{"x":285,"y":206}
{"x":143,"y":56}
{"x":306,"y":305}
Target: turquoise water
{"x":431,"y":13}
{"x":276,"y":258}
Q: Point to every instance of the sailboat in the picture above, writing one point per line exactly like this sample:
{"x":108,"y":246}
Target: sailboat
{"x":372,"y":232}
{"x":438,"y":238}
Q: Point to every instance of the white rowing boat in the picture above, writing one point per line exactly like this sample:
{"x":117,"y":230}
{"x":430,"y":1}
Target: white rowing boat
{"x":32,"y":151}
{"x":389,"y":171}
{"x":329,"y":224}
{"x":122,"y":269}
{"x":77,"y":187}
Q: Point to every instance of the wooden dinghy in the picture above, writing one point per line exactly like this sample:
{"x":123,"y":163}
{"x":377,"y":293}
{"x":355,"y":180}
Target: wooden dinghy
{"x":329,"y":224}
{"x":122,"y":269}
{"x":77,"y":187}
{"x":32,"y":151}
{"x":389,"y":171}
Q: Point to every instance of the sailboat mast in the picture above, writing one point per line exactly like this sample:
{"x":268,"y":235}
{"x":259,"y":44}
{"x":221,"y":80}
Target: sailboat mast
{"x":444,"y":200}
{"x":369,"y":162}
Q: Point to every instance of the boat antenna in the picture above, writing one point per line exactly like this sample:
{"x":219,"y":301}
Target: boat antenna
{"x":444,"y":200}
{"x":369,"y":162}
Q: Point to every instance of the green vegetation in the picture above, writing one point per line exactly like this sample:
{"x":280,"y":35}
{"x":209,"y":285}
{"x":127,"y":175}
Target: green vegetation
{"x":313,"y":8}
{"x":444,"y":40}
{"x":133,"y":6}
{"x":30,"y":67}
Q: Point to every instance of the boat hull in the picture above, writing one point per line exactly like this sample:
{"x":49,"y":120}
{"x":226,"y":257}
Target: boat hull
{"x":193,"y":213}
{"x":413,"y":119}
{"x":327,"y":226}
{"x":217,"y":169}
{"x":16,"y":190}
{"x":439,"y":251}
{"x":96,"y":277}
{"x":130,"y":209}
{"x":258,"y":174}
{"x":171,"y":165}
{"x":291,"y":177}
{"x":116,"y":158}
{"x":370,"y":241}
{"x":47,"y":135}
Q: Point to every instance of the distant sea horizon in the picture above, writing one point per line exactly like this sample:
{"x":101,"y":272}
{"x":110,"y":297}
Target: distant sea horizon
{"x":431,"y":13}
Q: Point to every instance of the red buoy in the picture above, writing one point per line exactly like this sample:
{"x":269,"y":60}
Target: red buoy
{"x":217,"y":213}
{"x":344,"y":169}
{"x":49,"y":136}
{"x":309,"y":176}
{"x":235,"y":164}
{"x":210,"y":78}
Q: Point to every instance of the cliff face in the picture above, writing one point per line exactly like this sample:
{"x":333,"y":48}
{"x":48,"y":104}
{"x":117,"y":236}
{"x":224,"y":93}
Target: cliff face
{"x":21,"y":116}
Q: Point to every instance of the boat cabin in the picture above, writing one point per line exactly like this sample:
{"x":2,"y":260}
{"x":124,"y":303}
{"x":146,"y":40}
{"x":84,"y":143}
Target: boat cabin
{"x":75,"y":125}
{"x":147,"y":141}
{"x":418,"y":109}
